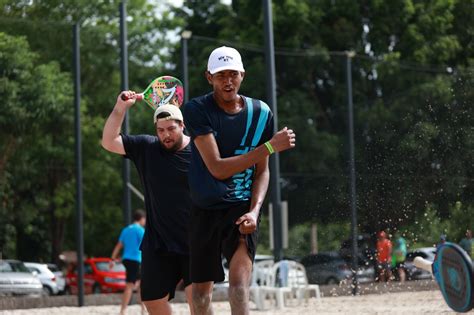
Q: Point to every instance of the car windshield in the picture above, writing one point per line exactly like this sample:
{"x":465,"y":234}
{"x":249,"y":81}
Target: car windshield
{"x":53,"y":268}
{"x":12,"y":266}
{"x":104,"y":266}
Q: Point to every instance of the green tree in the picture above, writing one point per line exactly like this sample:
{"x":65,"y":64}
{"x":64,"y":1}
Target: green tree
{"x":36,"y":99}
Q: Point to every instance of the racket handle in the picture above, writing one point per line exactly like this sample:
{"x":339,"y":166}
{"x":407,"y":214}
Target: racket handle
{"x":423,"y":264}
{"x":138,"y":97}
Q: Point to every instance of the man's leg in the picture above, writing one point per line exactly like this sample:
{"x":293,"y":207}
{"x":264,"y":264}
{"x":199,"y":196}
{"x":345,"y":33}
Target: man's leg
{"x":240,"y":271}
{"x":139,"y":296}
{"x":202,"y":297}
{"x":189,"y":297}
{"x":158,"y":306}
{"x":126,"y":296}
{"x":401,"y":274}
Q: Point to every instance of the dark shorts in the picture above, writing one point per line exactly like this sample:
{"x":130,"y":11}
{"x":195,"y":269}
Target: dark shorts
{"x":399,"y":265}
{"x":132,"y":268}
{"x":384,"y":266}
{"x":161,"y":272}
{"x":213,"y":234}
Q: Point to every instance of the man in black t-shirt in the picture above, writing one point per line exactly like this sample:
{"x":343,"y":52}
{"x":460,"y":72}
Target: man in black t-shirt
{"x":162,"y":162}
{"x":231,"y":141}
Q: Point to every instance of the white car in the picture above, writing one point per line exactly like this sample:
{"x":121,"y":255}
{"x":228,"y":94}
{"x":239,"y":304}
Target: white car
{"x":60,"y":278}
{"x":46,"y":276}
{"x":15,"y":279}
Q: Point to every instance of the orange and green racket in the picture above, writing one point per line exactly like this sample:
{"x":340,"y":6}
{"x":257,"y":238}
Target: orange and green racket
{"x":162,"y":90}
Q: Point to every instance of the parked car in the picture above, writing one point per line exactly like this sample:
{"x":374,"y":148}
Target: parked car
{"x":46,"y":276}
{"x":414,"y":273}
{"x":332,"y":268}
{"x":60,"y":278}
{"x":98,"y":277}
{"x":366,"y":250}
{"x":16,"y":279}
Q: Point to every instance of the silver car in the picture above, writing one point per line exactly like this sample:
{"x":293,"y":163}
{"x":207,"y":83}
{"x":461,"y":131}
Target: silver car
{"x":46,"y":276}
{"x":16,"y":279}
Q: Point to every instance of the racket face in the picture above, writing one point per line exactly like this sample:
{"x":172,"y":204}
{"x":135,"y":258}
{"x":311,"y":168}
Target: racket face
{"x":164,"y":90}
{"x":455,"y":277}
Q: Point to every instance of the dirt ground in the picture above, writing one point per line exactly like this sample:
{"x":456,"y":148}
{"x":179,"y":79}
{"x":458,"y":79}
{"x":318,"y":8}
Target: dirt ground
{"x":423,"y":302}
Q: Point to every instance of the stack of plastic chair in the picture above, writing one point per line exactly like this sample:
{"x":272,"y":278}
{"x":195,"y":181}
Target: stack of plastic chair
{"x":263,"y":285}
{"x":293,"y":276}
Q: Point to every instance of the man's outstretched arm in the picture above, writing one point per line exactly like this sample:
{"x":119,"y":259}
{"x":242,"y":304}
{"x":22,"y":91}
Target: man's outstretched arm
{"x":222,"y":168}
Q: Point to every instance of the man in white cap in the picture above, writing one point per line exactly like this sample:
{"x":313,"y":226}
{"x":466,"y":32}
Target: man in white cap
{"x":231,"y":142}
{"x":162,"y":162}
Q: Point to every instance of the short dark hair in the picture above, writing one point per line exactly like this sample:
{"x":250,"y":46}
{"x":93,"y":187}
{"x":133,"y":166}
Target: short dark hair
{"x":163,"y":115}
{"x":138,"y":215}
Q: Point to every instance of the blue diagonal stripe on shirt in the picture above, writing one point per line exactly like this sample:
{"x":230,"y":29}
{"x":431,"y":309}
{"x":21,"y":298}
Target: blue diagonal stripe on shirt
{"x":262,"y":121}
{"x":249,"y":119}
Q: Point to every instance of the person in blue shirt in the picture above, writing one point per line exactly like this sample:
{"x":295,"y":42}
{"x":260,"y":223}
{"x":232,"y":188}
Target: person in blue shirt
{"x":162,"y":162}
{"x":130,"y":240}
{"x":232,"y":137}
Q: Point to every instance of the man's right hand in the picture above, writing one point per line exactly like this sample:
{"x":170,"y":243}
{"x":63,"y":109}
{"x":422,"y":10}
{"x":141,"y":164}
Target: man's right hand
{"x":283,"y":140}
{"x":131,"y":97}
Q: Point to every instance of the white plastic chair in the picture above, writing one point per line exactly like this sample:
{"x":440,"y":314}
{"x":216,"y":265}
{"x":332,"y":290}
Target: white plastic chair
{"x":264,"y":285}
{"x":293,"y":276}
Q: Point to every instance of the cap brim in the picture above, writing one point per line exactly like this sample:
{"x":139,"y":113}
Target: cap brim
{"x":213,"y":71}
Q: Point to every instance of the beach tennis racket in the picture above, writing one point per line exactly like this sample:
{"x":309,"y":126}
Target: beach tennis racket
{"x":162,"y":90}
{"x":453,"y":271}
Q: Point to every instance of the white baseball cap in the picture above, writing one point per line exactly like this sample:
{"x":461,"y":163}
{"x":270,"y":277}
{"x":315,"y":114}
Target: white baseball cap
{"x":224,"y":58}
{"x":173,"y":111}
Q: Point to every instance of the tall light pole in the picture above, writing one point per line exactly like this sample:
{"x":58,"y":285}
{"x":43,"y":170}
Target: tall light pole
{"x":185,"y":36}
{"x":127,"y":200}
{"x":78,"y":153}
{"x":352,"y":186}
{"x":274,"y":159}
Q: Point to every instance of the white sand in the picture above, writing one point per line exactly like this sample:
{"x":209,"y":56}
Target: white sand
{"x":424,"y":302}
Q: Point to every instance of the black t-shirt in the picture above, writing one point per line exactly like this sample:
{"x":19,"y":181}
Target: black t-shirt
{"x":235,"y":134}
{"x":164,"y":176}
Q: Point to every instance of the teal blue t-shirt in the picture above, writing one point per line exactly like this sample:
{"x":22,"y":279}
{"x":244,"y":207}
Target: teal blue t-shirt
{"x":131,"y":238}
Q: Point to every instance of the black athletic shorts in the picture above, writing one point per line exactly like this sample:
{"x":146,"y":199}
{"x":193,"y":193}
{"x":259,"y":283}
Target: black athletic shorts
{"x":132,"y":268}
{"x":161,"y":272}
{"x":213,"y":233}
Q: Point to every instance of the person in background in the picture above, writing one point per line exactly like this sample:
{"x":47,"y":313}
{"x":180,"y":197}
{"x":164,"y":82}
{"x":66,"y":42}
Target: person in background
{"x":467,"y":243}
{"x":442,"y":240}
{"x":398,"y":257}
{"x":130,"y":240}
{"x":384,"y":257}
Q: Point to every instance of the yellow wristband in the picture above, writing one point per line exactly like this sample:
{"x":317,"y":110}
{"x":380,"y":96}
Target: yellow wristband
{"x":269,"y":147}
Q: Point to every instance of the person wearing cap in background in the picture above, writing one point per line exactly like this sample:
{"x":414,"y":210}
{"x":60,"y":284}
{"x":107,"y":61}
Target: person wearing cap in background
{"x":162,"y":162}
{"x":232,"y":138}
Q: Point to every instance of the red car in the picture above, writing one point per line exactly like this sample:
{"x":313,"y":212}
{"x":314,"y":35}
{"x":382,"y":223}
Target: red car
{"x":98,"y":277}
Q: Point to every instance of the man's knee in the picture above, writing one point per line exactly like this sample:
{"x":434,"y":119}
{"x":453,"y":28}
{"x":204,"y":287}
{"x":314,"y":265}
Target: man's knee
{"x":201,"y":298}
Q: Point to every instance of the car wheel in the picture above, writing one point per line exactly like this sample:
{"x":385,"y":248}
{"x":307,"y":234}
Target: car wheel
{"x":332,"y":281}
{"x":96,"y":289}
{"x":47,"y":291}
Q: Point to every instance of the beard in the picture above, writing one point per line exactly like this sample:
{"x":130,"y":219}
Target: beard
{"x":175,"y":147}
